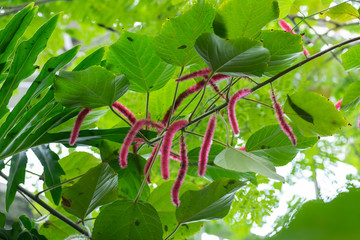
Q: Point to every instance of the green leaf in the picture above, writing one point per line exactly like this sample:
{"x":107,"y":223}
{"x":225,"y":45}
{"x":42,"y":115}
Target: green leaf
{"x":16,"y":177}
{"x":56,"y":229}
{"x":134,"y":55}
{"x":138,"y":221}
{"x":327,"y":119}
{"x":284,"y":7}
{"x":2,"y":164}
{"x":25,"y":222}
{"x":244,"y":18}
{"x":175,"y":44}
{"x":242,"y":161}
{"x":73,"y":164}
{"x":235,"y":57}
{"x":90,"y":88}
{"x":91,"y":60}
{"x":97,"y":187}
{"x":300,"y":112}
{"x":13,"y":31}
{"x":2,"y":219}
{"x":161,"y":201}
{"x":318,"y":220}
{"x":20,"y":69}
{"x":13,"y":233}
{"x":284,"y":49}
{"x":272,"y":143}
{"x":129,"y":178}
{"x":210,"y":203}
{"x":343,"y":12}
{"x":52,"y":169}
{"x":351,"y":58}
{"x":213,"y":172}
{"x":351,"y":97}
{"x":42,"y":81}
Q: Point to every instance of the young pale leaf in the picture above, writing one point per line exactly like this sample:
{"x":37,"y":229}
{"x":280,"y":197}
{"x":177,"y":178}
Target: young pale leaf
{"x":90,"y":88}
{"x":52,"y":169}
{"x":244,"y":18}
{"x":134,"y":55}
{"x":91,"y":60}
{"x":214,"y":172}
{"x":351,"y":97}
{"x":16,"y":177}
{"x":235,"y":57}
{"x":20,"y":69}
{"x":272,"y":143}
{"x":284,"y":49}
{"x":125,"y":220}
{"x":13,"y":31}
{"x":175,"y":44}
{"x":161,"y":201}
{"x":343,"y":12}
{"x":42,"y":81}
{"x":210,"y":203}
{"x":326,"y":118}
{"x":242,"y":161}
{"x":351,"y":59}
{"x":97,"y":187}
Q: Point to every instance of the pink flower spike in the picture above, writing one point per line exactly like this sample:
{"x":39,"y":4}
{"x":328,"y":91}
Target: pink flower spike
{"x":338,"y":104}
{"x":206,"y":145}
{"x":283,"y":124}
{"x":124,"y":151}
{"x":148,"y":163}
{"x":242,"y":148}
{"x":285,"y":26}
{"x":182,"y":172}
{"x":200,"y":73}
{"x":216,"y":89}
{"x":76,"y":129}
{"x":125,"y":112}
{"x":166,"y":147}
{"x":231,"y":108}
{"x":306,"y":52}
{"x":218,"y":77}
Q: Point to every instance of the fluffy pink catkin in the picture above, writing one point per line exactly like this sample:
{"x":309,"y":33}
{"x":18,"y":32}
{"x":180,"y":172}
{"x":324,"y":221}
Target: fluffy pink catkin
{"x":148,"y":163}
{"x":129,"y":139}
{"x":231,"y":108}
{"x":166,"y":147}
{"x":182,"y":172}
{"x":286,"y":27}
{"x":283,"y":124}
{"x":216,"y":89}
{"x":338,"y":104}
{"x":206,"y":145}
{"x":125,"y":112}
{"x":200,"y":73}
{"x":76,"y":129}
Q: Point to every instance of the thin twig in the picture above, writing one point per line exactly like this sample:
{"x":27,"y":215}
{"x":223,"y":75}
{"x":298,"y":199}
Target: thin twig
{"x":22,"y":194}
{"x":173,"y":232}
{"x":50,"y":209}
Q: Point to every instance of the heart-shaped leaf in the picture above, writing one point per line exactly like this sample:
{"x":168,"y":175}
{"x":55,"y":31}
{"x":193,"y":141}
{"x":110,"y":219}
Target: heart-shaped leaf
{"x":90,"y":88}
{"x":272,"y":143}
{"x":97,"y":187}
{"x":235,"y":57}
{"x":242,"y":161}
{"x":134,"y":55}
{"x":175,"y":44}
{"x":126,"y":220}
{"x":210,"y":203}
{"x":326,"y":118}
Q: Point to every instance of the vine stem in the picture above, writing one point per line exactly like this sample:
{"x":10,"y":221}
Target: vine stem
{"x":23,"y":195}
{"x":173,"y":232}
{"x":201,"y":135}
{"x":175,"y":96}
{"x":258,"y":102}
{"x":49,"y":209}
{"x":147,"y":107}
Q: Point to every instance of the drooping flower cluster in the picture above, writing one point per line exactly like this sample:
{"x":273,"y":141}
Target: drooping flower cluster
{"x":206,"y":145}
{"x":231,"y":108}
